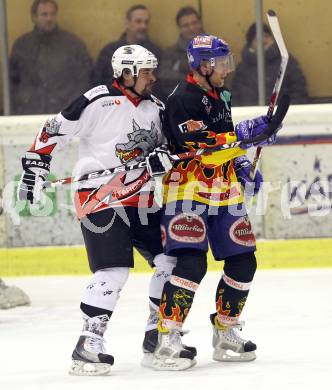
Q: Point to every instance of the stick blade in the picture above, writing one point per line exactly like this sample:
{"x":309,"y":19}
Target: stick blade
{"x":283,"y":106}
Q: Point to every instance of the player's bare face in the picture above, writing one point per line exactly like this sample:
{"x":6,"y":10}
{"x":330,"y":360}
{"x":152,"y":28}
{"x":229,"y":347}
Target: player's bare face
{"x":146,"y":79}
{"x":221,"y":68}
{"x":217,"y":78}
{"x":45,"y":18}
{"x":138,"y":25}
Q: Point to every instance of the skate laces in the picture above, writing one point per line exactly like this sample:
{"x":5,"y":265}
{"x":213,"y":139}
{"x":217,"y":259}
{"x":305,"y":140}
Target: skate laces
{"x":96,"y":344}
{"x":175,"y":337}
{"x":232,"y":332}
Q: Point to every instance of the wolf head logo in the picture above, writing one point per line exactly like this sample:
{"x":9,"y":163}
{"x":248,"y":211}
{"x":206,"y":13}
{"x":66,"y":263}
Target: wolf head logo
{"x":141,"y":143}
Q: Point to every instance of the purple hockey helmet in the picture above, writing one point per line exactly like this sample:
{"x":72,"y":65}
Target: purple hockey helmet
{"x":209,"y":48}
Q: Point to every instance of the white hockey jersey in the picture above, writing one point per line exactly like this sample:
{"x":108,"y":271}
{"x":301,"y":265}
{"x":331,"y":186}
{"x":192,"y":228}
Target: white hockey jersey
{"x":114,"y":129}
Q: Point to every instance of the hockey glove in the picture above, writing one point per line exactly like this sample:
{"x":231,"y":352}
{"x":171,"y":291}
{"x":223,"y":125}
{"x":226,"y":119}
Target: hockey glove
{"x":158,"y":162}
{"x":248,"y":129}
{"x":36,"y":167}
{"x":242,"y":168}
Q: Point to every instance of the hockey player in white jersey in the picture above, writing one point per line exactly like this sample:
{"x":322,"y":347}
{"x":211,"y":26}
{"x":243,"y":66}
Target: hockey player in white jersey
{"x":117,"y":124}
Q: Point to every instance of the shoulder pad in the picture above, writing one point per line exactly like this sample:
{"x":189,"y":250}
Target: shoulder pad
{"x":100,"y":90}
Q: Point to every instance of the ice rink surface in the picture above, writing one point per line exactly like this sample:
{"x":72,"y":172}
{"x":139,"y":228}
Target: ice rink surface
{"x":288,"y":315}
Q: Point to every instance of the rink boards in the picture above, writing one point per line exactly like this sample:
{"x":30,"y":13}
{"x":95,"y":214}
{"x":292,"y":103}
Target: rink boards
{"x":295,"y":202}
{"x":275,"y":254}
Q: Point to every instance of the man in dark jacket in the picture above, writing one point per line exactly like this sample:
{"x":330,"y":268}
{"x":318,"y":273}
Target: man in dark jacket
{"x":174,"y":64}
{"x":137,"y":21}
{"x":244,"y":83}
{"x":49,"y":66}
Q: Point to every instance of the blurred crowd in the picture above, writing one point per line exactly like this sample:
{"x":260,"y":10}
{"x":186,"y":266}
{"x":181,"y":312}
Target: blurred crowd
{"x":50,"y":66}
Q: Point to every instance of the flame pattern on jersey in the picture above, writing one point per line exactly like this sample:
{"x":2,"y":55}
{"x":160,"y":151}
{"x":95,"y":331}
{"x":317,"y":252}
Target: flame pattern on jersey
{"x":200,"y":119}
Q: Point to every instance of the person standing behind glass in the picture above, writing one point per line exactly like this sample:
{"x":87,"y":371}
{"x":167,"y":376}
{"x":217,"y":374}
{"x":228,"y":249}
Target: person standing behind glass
{"x":174,"y":64}
{"x":244,"y":83}
{"x":49,"y":66}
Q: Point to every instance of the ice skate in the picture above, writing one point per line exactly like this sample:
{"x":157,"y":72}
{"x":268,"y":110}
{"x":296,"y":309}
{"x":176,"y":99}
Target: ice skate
{"x":150,"y":343}
{"x":170,"y":354}
{"x":228,"y":345}
{"x":89,"y":357}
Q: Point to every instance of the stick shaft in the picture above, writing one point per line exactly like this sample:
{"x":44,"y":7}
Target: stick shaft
{"x":276,"y":31}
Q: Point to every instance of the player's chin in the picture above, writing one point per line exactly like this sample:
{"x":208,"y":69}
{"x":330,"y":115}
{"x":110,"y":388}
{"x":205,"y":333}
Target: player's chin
{"x":222,"y":82}
{"x":147,"y":91}
{"x":219,"y":83}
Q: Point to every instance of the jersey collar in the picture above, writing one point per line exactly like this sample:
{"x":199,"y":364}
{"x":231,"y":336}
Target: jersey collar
{"x":135,"y":101}
{"x":211,"y":92}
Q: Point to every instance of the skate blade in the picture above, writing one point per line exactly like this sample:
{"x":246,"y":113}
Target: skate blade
{"x":169,"y":364}
{"x":80,"y":368}
{"x":225,"y":355}
{"x":147,"y":359}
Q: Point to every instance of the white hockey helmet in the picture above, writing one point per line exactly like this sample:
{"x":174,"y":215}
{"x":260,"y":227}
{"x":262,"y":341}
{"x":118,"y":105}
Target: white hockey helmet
{"x":134,"y":58}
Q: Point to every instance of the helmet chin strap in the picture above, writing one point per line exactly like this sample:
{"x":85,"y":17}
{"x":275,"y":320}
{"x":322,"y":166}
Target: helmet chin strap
{"x":207,"y":77}
{"x":132,"y":88}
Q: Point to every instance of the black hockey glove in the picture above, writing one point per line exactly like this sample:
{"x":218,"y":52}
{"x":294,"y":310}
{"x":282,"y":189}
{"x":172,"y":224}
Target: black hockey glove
{"x":36,"y":167}
{"x":158,"y":162}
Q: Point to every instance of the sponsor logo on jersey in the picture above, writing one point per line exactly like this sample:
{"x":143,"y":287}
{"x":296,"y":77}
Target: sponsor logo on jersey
{"x":207,"y":104}
{"x":202,"y":41}
{"x":141,"y":143}
{"x":109,"y":103}
{"x":50,"y":129}
{"x":241,"y":232}
{"x":191,"y":125}
{"x":100,"y":90}
{"x":187,"y":228}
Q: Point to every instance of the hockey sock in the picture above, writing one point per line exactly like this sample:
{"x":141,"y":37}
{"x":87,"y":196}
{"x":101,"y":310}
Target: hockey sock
{"x":163,"y":270}
{"x":233,"y":287}
{"x":102,"y":293}
{"x":179,"y":291}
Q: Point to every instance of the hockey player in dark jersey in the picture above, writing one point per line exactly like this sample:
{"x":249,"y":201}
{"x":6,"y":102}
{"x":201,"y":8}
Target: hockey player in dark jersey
{"x":116,"y":124}
{"x":203,"y":204}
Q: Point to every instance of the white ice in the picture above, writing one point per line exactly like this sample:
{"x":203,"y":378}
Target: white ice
{"x":288,"y":315}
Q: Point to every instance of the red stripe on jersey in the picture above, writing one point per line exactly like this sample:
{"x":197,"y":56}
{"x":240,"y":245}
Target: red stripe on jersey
{"x":211,"y":92}
{"x":135,"y":101}
{"x":46,"y":150}
{"x":114,"y":191}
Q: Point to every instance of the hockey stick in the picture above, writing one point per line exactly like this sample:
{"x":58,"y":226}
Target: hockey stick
{"x":301,"y":210}
{"x":271,"y":129}
{"x":276,"y":31}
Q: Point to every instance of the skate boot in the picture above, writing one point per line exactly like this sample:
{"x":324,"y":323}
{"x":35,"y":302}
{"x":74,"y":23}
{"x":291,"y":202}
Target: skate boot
{"x":170,"y":354}
{"x":228,"y":345}
{"x":151,"y":340}
{"x":89,"y":357}
{"x":150,"y":343}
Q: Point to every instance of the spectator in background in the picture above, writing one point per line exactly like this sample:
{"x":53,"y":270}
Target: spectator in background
{"x":174,"y":64}
{"x":137,"y":28}
{"x":244,"y":83}
{"x":49,"y":66}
